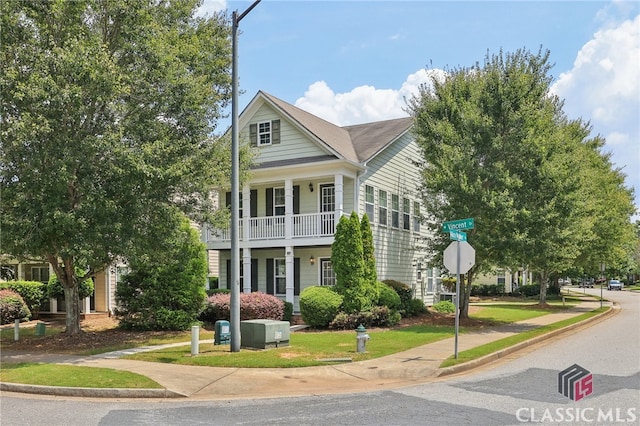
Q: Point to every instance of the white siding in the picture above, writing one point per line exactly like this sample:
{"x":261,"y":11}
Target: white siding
{"x":394,"y":171}
{"x":293,"y":143}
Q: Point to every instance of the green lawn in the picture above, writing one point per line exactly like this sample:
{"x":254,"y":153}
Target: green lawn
{"x":307,"y":348}
{"x":73,"y":376}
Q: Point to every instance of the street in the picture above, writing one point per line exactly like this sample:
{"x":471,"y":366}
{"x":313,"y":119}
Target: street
{"x":521,"y":388}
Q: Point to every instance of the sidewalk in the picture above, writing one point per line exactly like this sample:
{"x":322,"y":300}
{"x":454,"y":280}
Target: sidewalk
{"x":418,"y":365}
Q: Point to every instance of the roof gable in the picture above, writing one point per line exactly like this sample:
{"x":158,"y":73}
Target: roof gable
{"x":357,"y":143}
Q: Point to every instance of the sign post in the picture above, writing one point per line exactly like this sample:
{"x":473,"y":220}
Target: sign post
{"x":461,"y":261}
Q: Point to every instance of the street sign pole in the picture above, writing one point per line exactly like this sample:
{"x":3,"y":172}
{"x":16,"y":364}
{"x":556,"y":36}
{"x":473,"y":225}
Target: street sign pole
{"x":457,"y":299}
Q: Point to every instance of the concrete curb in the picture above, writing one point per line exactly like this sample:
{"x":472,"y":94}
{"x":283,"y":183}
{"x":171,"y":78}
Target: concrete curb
{"x":447,"y":371}
{"x":90,"y":392}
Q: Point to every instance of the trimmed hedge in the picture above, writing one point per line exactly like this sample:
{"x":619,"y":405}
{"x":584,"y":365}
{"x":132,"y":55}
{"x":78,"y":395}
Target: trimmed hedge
{"x":254,"y":305}
{"x":32,"y":292}
{"x":319,"y":305}
{"x":405,"y":293}
{"x":388,"y":297}
{"x":378,"y":316}
{"x":12,"y":307}
{"x":487,"y":289}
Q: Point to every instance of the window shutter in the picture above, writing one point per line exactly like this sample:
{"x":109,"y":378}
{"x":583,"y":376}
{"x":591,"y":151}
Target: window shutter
{"x":270,"y":267}
{"x":253,"y":134}
{"x":275,"y":131}
{"x":228,"y":273}
{"x":254,"y":275}
{"x":296,"y":199}
{"x":253,"y":203}
{"x":296,"y":276}
{"x":269,"y":203}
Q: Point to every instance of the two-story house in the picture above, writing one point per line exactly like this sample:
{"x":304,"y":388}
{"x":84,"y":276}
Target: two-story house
{"x":308,"y":173}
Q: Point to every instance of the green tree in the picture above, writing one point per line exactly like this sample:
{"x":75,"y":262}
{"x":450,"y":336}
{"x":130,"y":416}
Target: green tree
{"x":348,"y":264}
{"x":106,"y":110}
{"x":165,"y":290}
{"x":498,"y":148}
{"x":368,"y":251}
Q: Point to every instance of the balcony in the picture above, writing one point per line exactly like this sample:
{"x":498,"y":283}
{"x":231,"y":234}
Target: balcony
{"x":296,"y":226}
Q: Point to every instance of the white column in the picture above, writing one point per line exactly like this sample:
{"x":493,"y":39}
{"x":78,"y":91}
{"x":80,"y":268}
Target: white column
{"x":290,"y":274}
{"x":53,"y":305}
{"x":288,"y":209}
{"x":339,"y":189}
{"x":246,"y":270}
{"x":86,"y":305}
{"x":246,"y":213}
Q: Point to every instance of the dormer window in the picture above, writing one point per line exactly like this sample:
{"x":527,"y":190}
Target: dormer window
{"x":264,"y":133}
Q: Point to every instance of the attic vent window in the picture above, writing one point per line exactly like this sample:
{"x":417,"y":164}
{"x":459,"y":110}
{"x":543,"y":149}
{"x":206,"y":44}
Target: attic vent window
{"x":265,"y":133}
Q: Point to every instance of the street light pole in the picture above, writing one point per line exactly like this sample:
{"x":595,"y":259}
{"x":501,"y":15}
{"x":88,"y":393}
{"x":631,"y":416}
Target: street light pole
{"x":235,"y":185}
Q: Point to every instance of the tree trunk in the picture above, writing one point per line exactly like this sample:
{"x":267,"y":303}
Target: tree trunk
{"x":543,"y":288}
{"x":66,"y":275}
{"x":465,"y":294}
{"x":72,"y":305}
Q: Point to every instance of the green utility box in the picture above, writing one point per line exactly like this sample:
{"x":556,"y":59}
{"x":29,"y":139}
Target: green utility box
{"x":264,"y":333}
{"x":40,"y":328}
{"x":222,"y":333}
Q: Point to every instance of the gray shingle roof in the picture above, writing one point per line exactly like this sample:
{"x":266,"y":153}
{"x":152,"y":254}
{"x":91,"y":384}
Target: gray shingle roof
{"x":356,"y":143}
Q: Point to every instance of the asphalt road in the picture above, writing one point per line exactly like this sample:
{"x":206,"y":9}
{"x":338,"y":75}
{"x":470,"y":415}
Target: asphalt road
{"x":522,"y":388}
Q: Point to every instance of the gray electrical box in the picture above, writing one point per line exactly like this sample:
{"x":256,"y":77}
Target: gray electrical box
{"x":264,"y":333}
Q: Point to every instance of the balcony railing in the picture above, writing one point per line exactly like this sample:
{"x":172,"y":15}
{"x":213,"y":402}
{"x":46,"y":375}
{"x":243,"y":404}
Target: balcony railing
{"x":306,"y":225}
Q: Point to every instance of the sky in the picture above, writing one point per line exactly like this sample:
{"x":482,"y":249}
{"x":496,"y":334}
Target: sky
{"x":352,"y":62}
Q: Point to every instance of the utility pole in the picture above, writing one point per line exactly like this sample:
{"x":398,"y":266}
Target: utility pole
{"x":235,"y":185}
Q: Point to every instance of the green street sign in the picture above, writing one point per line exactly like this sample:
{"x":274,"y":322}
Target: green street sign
{"x":457,"y":236}
{"x":458,"y":225}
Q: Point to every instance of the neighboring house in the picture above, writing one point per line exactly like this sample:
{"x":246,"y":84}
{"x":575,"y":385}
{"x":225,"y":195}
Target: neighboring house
{"x":306,"y":175}
{"x":105,"y":282}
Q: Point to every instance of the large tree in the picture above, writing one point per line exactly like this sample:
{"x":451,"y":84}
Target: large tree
{"x":499,"y":148}
{"x":106,"y":109}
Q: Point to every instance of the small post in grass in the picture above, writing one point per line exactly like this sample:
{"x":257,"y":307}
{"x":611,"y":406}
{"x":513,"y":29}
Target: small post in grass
{"x":195,"y":340}
{"x":16,"y":330}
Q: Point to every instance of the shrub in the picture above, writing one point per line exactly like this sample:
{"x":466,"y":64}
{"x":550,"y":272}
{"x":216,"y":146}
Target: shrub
{"x":378,"y":316}
{"x":288,"y":311}
{"x":449,"y":284}
{"x":319,"y":305}
{"x":529,"y":290}
{"x":487,"y":289}
{"x":12,"y":307}
{"x":445,"y":307}
{"x":55,"y":288}
{"x":213,"y":291}
{"x":388,"y":297}
{"x":169,"y":279}
{"x":405,"y":293}
{"x":255,"y":305}
{"x":416,"y":307}
{"x":33,"y":293}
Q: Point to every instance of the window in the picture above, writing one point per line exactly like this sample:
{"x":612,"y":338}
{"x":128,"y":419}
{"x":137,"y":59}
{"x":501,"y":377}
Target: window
{"x":501,"y":277}
{"x":327,"y":275}
{"x":368,"y":202}
{"x":278,"y":201}
{"x":264,"y":133}
{"x":395,"y":211}
{"x":406,"y":214}
{"x":382,"y":207}
{"x":280,"y":277}
{"x":40,"y":273}
{"x":416,"y":216}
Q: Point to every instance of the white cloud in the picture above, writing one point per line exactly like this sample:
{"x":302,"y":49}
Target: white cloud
{"x":364,"y":103}
{"x":209,"y":7}
{"x":603,"y":87}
